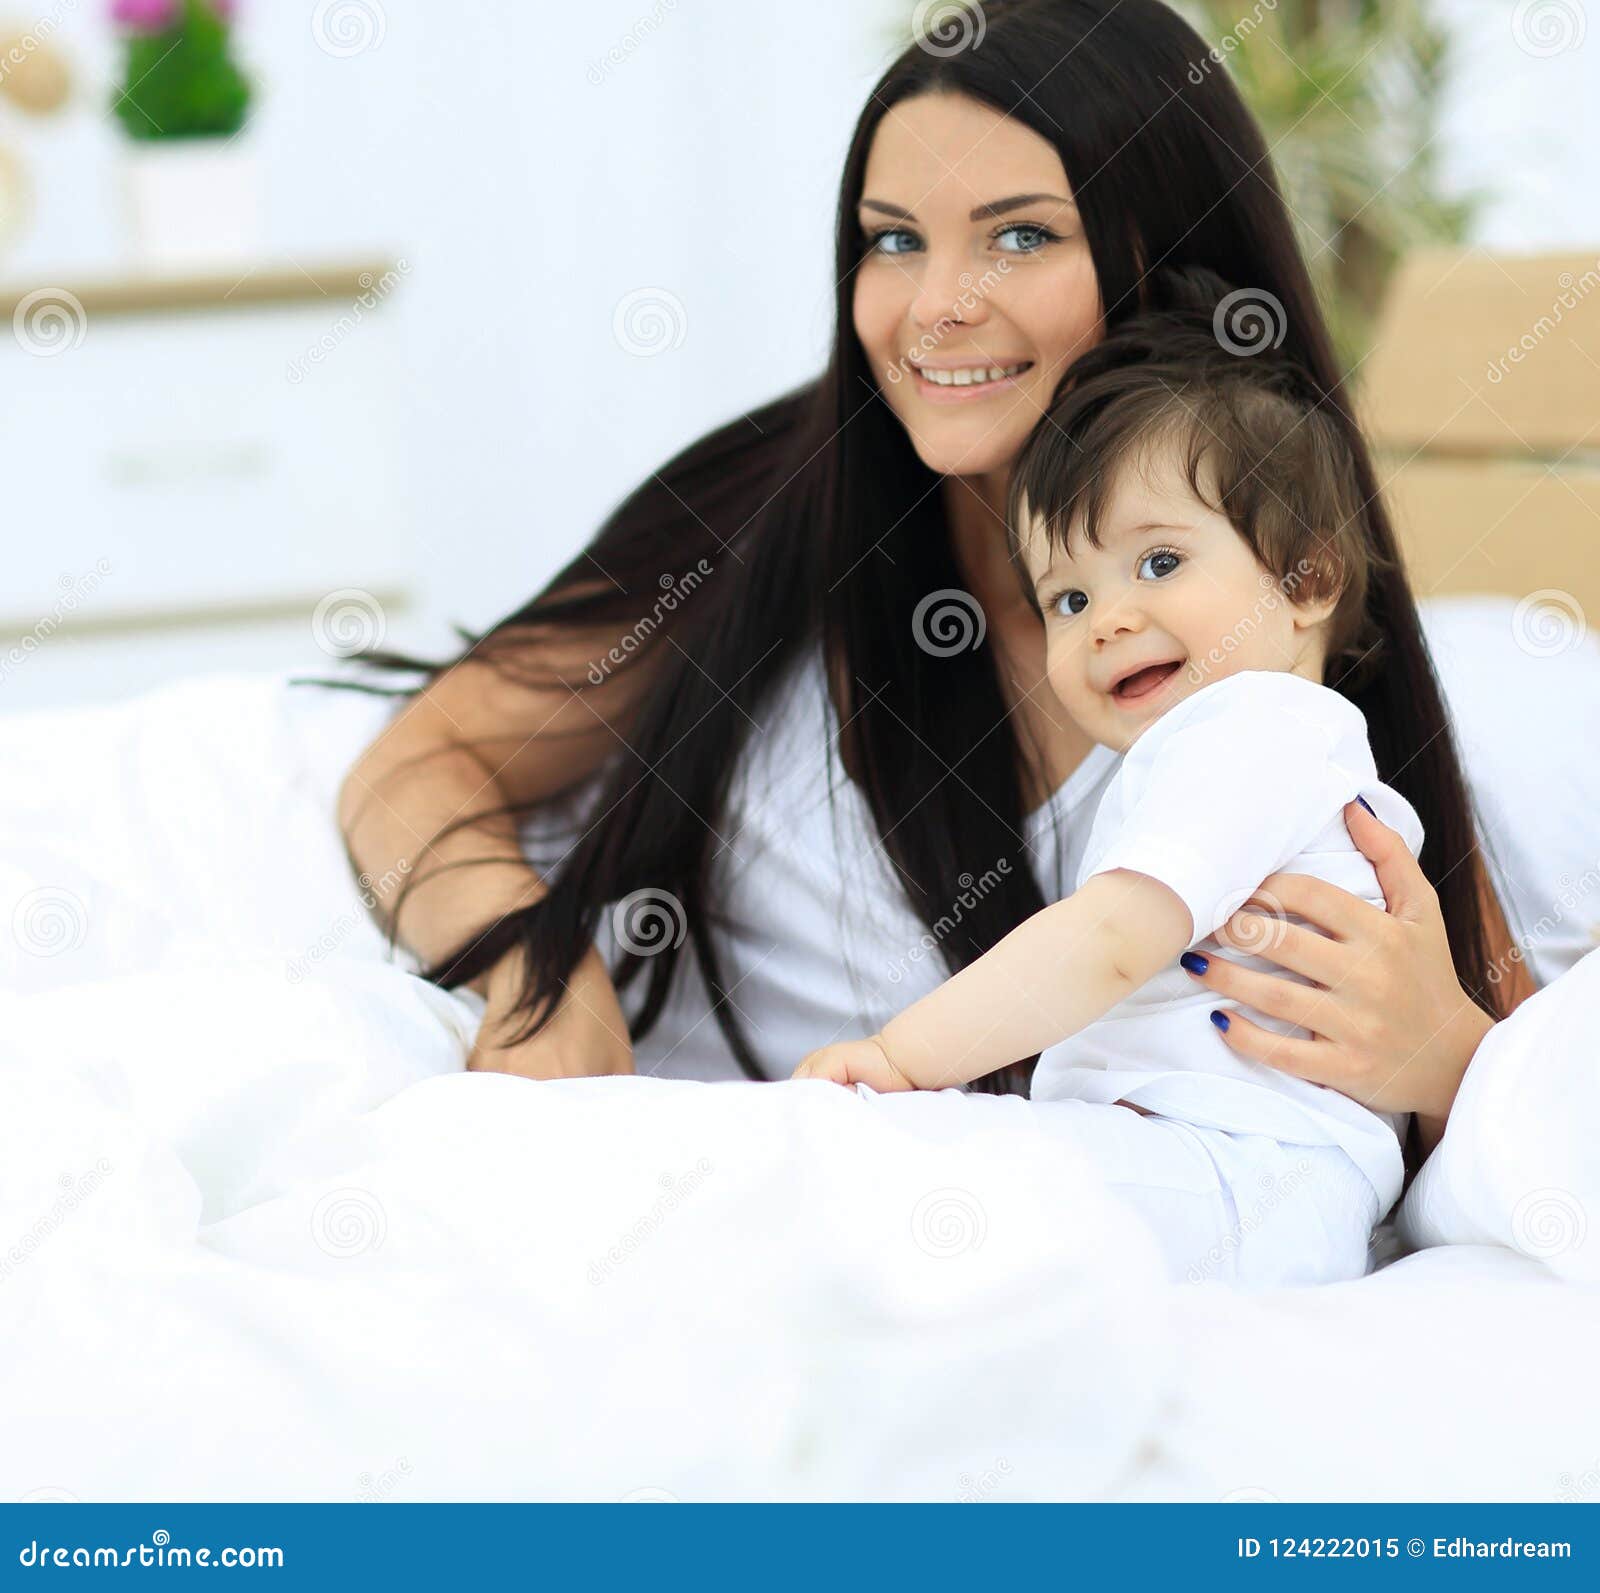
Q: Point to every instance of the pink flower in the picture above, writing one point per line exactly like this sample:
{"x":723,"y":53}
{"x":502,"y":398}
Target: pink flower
{"x":144,"y":15}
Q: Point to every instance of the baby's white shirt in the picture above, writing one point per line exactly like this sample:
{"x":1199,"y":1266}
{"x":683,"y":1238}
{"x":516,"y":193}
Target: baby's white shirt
{"x":1246,"y":778}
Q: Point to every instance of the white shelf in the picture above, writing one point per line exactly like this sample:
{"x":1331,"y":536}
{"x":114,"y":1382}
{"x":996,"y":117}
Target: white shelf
{"x":245,"y":286}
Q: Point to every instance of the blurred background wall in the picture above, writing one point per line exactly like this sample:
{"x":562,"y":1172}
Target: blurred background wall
{"x":484,"y":265}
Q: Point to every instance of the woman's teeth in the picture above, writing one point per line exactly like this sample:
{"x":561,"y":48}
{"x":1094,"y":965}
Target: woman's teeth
{"x":970,"y":374}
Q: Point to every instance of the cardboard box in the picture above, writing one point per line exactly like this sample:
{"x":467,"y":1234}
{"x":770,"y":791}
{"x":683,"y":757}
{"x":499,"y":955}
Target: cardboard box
{"x":1482,"y":399}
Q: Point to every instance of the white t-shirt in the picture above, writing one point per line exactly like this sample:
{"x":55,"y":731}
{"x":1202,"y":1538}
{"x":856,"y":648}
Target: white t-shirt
{"x":1248,"y":777}
{"x":816,"y":938}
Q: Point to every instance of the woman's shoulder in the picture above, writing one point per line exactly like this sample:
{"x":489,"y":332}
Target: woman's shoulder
{"x":789,"y":746}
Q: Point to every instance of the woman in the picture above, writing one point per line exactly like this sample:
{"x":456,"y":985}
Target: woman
{"x":1002,"y":205}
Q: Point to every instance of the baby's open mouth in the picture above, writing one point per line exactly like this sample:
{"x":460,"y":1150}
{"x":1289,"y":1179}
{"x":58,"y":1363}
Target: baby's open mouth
{"x":1145,"y":682}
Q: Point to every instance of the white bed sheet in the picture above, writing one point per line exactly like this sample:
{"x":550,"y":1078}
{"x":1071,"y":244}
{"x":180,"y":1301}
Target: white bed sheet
{"x":267,"y":1240}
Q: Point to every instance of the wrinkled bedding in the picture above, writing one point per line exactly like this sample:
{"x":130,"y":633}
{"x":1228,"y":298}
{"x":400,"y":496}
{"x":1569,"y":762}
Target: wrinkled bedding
{"x":264,"y":1238}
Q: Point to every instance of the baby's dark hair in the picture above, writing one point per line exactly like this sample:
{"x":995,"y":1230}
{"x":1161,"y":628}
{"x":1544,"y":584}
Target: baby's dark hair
{"x":1251,"y":432}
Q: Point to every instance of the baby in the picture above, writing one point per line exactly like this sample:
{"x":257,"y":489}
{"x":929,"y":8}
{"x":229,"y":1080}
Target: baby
{"x":1190,"y":527}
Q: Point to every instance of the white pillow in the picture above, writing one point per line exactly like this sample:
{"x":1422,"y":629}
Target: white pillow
{"x":1522,"y":681}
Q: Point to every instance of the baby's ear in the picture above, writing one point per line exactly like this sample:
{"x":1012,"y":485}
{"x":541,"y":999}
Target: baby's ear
{"x":1311,"y":612}
{"x":1313,"y":591}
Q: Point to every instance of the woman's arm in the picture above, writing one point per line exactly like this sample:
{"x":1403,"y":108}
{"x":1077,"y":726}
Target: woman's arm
{"x":468,"y":746}
{"x":1392,"y":1026}
{"x":1050,"y":977}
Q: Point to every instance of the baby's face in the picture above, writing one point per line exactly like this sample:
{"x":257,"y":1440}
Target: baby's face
{"x":1173,"y":600}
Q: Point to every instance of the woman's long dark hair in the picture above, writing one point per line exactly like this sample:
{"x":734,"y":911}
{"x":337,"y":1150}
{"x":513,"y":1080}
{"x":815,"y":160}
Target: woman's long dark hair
{"x":818,"y":522}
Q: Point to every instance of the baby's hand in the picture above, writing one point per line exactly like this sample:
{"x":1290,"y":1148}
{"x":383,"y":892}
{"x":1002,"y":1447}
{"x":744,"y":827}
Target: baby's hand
{"x":855,"y":1062}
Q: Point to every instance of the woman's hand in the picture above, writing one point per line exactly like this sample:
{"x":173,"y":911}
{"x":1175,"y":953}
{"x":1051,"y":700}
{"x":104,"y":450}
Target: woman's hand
{"x":855,"y":1062}
{"x":586,"y":1038}
{"x":1392,"y":1027}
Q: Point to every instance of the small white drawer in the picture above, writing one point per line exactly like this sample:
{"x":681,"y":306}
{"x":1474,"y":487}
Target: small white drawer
{"x":233,"y":453}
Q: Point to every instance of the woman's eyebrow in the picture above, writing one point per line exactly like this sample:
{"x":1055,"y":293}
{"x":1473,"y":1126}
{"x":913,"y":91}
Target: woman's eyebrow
{"x":887,"y":209}
{"x":1016,"y":202}
{"x":998,"y":208}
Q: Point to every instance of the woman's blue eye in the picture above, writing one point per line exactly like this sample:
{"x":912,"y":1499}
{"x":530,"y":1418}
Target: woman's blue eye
{"x":1017,"y":237}
{"x":1037,"y":237}
{"x":1073,"y":602}
{"x":1154,"y":566}
{"x":878,"y":242}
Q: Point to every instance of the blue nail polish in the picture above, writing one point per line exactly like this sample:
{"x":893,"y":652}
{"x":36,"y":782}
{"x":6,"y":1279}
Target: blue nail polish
{"x":1366,"y":804}
{"x":1194,"y":962}
{"x":1221,"y":1020}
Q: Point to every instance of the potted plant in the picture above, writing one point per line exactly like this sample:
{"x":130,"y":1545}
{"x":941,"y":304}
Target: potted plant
{"x":183,"y":101}
{"x":1349,"y":94}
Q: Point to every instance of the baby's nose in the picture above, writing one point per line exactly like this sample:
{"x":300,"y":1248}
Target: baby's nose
{"x":1117,"y":620}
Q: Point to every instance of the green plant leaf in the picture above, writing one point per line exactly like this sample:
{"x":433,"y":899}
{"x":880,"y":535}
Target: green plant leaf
{"x":182,"y":82}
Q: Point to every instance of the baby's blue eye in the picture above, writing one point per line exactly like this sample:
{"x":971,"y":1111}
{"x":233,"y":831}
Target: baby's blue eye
{"x":1154,"y":566}
{"x":1074,"y":602}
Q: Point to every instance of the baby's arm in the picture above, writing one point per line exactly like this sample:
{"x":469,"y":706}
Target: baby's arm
{"x":1050,"y":977}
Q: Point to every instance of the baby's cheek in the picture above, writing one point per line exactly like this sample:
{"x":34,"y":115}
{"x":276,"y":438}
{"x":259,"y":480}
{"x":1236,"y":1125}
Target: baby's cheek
{"x":1065,"y":676}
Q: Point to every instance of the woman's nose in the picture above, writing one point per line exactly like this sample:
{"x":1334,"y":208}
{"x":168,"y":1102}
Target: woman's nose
{"x":948,"y":295}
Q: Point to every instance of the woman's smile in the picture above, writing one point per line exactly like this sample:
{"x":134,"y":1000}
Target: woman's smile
{"x":949,"y":383}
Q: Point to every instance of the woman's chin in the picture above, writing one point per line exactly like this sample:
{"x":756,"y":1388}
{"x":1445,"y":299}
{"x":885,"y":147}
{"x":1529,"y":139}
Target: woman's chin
{"x":949,"y":455}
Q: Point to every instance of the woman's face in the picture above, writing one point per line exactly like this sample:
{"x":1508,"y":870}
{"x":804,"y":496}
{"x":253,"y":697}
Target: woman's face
{"x":976,"y":291}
